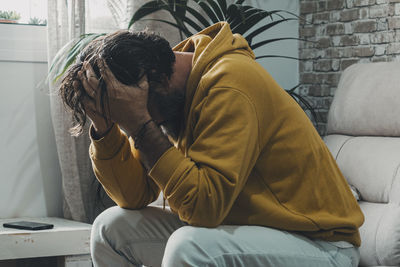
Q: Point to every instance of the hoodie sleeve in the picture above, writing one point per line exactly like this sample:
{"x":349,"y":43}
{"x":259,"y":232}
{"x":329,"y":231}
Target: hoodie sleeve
{"x":117,"y":167}
{"x":203,"y":186}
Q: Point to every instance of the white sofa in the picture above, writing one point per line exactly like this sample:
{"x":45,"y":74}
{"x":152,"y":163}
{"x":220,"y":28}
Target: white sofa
{"x":363,"y":134}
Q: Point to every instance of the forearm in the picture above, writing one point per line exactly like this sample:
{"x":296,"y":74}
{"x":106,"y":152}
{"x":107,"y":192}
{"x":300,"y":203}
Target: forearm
{"x":152,"y":144}
{"x":122,"y":175}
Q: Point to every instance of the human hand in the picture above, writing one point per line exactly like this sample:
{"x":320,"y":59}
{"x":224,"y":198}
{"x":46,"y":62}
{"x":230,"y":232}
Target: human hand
{"x":92,"y":106}
{"x":126,"y":104}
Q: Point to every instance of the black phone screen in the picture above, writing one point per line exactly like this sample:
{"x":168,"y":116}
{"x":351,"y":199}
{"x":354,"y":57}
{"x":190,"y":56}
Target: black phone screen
{"x":26,"y":225}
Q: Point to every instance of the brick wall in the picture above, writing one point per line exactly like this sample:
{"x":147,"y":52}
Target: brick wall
{"x":343,"y":32}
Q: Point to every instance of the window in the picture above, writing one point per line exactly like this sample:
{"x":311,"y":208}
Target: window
{"x":33,"y":12}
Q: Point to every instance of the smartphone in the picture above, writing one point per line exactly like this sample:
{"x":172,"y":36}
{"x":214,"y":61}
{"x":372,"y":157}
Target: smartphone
{"x":28,"y":225}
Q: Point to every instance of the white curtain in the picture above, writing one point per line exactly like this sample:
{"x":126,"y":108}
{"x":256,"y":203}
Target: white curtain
{"x":67,"y":20}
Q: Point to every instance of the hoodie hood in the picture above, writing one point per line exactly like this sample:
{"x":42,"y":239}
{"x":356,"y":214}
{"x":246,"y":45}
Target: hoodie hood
{"x":207,"y":46}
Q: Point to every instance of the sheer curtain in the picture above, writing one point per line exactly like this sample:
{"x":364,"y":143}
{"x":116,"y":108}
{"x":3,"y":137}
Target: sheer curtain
{"x":81,"y":202}
{"x":68,"y":19}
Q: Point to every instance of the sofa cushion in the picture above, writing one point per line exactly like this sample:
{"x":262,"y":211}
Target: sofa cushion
{"x":367,"y":101}
{"x":380,"y":234}
{"x":371,"y":164}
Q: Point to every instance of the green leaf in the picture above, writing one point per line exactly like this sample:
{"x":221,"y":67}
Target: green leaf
{"x":62,"y":61}
{"x":193,"y":24}
{"x":208,"y":11}
{"x":217,"y":10}
{"x":198,"y":16}
{"x":222,"y":4}
{"x":277,"y":56}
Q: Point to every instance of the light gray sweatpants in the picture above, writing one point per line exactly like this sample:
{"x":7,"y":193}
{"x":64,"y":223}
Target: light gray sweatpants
{"x":156,"y":237}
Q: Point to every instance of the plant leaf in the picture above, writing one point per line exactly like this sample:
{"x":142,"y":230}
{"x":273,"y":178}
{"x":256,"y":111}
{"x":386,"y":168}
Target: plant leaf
{"x":198,"y":16}
{"x":262,"y":43}
{"x":193,"y":24}
{"x":208,"y":11}
{"x":217,"y":9}
{"x":278,"y":56}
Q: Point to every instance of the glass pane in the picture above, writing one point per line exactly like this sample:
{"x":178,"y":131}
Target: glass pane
{"x":23,"y":11}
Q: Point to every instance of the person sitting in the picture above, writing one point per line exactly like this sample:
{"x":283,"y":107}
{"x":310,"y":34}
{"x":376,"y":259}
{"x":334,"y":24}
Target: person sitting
{"x":248,"y":179}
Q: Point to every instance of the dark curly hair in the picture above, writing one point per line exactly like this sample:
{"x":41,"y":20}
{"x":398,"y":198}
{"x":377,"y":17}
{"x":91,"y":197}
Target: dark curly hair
{"x":130,"y":55}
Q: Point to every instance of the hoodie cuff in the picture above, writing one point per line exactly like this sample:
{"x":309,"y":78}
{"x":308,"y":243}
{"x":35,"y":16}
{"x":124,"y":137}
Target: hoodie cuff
{"x":107,"y":146}
{"x":166,"y":166}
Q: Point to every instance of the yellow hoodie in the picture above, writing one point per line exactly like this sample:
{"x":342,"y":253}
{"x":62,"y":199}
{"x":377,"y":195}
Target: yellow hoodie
{"x":248,"y":154}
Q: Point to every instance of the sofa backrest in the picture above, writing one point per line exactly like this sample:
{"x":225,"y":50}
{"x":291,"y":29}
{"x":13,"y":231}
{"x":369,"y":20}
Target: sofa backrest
{"x":364,"y":137}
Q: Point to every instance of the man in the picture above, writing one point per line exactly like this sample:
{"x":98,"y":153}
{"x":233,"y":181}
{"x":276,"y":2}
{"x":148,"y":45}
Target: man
{"x":248,"y":180}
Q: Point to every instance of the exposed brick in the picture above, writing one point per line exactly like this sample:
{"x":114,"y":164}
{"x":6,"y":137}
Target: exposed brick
{"x":335,"y":29}
{"x":393,"y":48}
{"x":382,"y":24}
{"x":321,"y":18}
{"x":382,"y":37}
{"x":364,"y":38}
{"x":397,"y":9}
{"x":365,"y":26}
{"x":380,"y":59}
{"x":324,"y":43}
{"x":363,"y":51}
{"x":307,"y":54}
{"x":349,"y":3}
{"x":349,"y":40}
{"x":307,"y":32}
{"x":348,"y":28}
{"x":323,"y":65}
{"x":380,"y":50}
{"x":347,"y":63}
{"x":335,"y":64}
{"x":349,"y":15}
{"x":364,"y":2}
{"x":319,"y":90}
{"x":334,"y":16}
{"x":379,"y":11}
{"x":308,"y":77}
{"x":335,"y":4}
{"x":339,"y":52}
{"x":321,"y":6}
{"x":394,"y":23}
{"x":308,"y":7}
{"x":364,"y":13}
{"x":305,"y":66}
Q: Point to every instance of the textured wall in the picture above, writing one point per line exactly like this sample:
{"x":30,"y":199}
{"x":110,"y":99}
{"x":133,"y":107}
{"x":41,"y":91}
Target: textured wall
{"x":344,"y":32}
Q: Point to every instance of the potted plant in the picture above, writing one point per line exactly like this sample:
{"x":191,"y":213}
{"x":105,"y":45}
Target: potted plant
{"x":37,"y":21}
{"x":243,"y":19}
{"x":9,"y":16}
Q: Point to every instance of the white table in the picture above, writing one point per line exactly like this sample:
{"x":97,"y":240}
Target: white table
{"x":68,"y":239}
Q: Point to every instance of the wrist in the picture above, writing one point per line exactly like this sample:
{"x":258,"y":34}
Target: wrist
{"x":100,"y":131}
{"x":138,"y":123}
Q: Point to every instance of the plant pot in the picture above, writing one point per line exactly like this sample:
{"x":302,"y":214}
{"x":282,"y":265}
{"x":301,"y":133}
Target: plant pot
{"x":8,"y":21}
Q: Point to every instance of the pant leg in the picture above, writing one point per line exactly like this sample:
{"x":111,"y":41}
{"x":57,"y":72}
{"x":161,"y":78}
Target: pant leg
{"x":122,"y":237}
{"x":253,"y":246}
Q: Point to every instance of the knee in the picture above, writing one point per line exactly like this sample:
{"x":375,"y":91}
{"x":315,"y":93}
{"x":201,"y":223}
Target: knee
{"x":105,"y":226}
{"x":186,"y":247}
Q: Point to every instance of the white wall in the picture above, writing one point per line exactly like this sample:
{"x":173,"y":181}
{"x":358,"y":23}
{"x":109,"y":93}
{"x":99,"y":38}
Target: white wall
{"x":285,"y":71}
{"x":30,"y":179}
